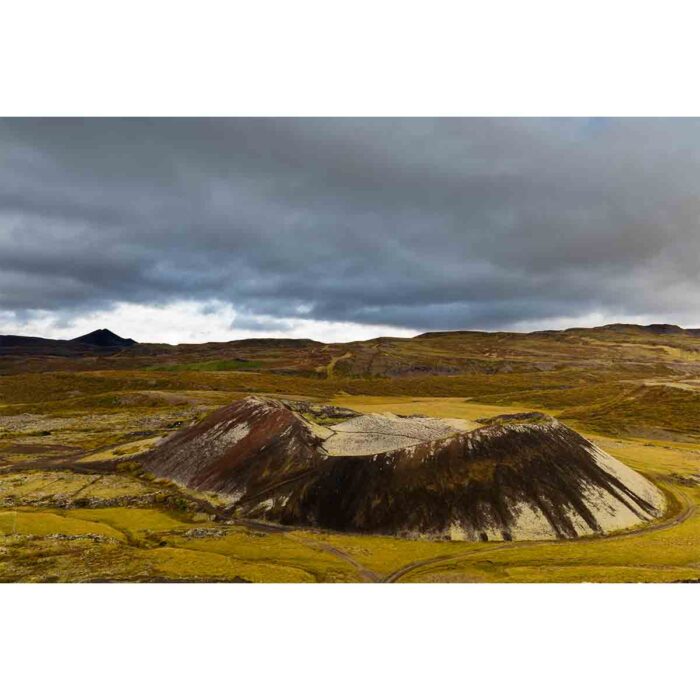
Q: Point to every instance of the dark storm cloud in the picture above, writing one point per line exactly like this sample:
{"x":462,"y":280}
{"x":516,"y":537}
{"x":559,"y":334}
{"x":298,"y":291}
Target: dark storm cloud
{"x":410,"y":222}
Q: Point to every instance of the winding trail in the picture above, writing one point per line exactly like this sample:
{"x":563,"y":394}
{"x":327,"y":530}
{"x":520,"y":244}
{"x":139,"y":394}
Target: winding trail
{"x":330,"y":367}
{"x":291,"y":533}
{"x":367,"y":574}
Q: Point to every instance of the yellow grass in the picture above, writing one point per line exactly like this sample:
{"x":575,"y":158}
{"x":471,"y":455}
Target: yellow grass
{"x":435,"y":407}
{"x":43,"y":523}
{"x":128,"y":449}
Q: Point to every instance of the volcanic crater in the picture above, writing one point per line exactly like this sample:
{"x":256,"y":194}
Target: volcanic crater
{"x":514,"y":477}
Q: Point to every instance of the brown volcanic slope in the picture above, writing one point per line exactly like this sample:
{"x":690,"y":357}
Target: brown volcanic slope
{"x":523,"y":476}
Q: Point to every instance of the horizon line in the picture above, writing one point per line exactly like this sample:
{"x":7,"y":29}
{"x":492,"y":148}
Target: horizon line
{"x":381,"y":337}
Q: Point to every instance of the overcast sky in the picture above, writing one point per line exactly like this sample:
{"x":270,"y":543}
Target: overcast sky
{"x":190,"y":229}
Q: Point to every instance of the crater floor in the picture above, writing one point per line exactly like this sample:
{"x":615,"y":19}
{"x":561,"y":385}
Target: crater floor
{"x":374,"y":433}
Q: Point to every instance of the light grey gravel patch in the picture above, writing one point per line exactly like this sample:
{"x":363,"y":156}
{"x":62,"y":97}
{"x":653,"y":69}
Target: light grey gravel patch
{"x":374,"y":433}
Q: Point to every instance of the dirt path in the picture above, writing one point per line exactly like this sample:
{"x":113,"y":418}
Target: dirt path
{"x":88,"y":485}
{"x":331,"y":365}
{"x":290,"y":532}
{"x":367,"y":574}
{"x":686,"y":510}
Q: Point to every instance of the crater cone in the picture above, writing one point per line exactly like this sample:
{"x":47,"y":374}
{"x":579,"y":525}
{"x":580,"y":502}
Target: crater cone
{"x":522,"y":476}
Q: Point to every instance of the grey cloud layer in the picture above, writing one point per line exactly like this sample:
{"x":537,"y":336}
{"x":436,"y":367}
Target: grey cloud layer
{"x":411,"y":222}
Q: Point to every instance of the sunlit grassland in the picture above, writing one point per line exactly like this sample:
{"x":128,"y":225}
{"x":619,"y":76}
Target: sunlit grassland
{"x":607,"y":400}
{"x":132,"y":520}
{"x":152,"y":539}
{"x":384,"y":555}
{"x":41,"y":522}
{"x":52,"y":388}
{"x":192,"y":564}
{"x":208,"y":366}
{"x":163,"y":543}
{"x":129,"y":449}
{"x":435,"y":407}
{"x":273,"y":549}
{"x":85,"y":559}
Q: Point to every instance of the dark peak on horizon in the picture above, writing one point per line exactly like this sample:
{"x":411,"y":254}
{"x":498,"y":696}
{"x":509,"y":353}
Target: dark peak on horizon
{"x":103,"y":337}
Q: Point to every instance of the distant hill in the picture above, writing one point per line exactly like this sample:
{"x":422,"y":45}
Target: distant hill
{"x":104,"y":338}
{"x":16,"y":341}
{"x":657,"y":328}
{"x":27,"y":346}
{"x":440,"y":355}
